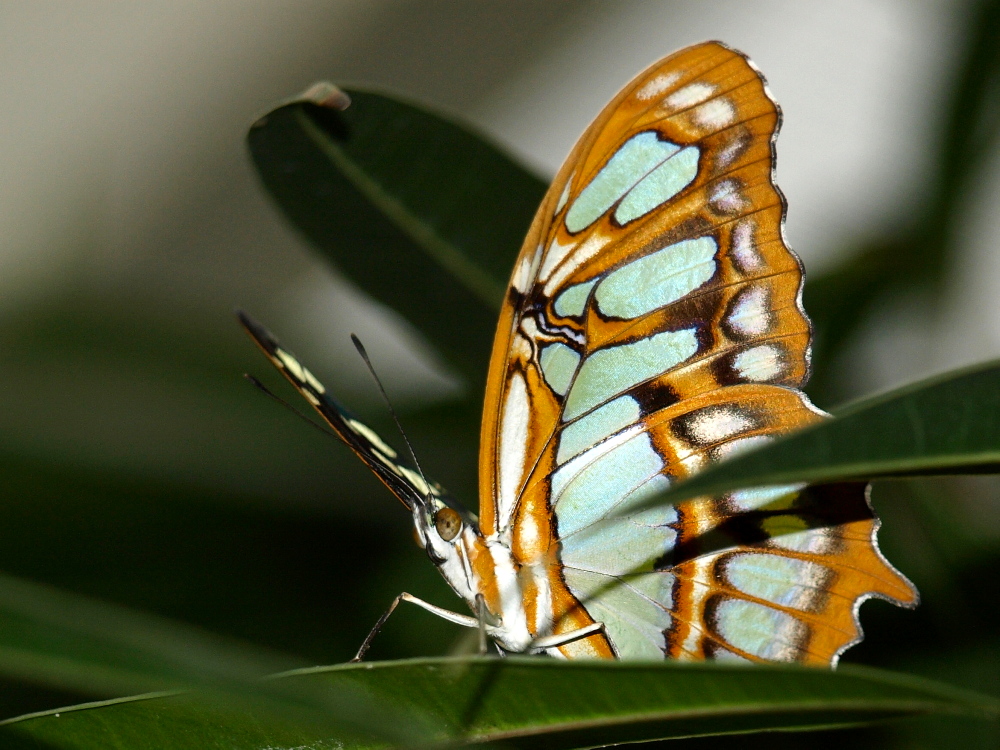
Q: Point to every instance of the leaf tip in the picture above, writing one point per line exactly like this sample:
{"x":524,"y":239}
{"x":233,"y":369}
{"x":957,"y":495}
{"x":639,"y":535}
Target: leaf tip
{"x":325,"y":94}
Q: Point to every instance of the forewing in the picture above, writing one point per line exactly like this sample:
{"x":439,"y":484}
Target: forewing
{"x":653,"y":324}
{"x":664,"y":219}
{"x":403,"y":480}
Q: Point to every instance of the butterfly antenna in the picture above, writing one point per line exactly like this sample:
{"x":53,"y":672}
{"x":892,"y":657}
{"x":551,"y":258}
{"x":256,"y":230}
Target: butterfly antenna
{"x":385,"y":397}
{"x":267,"y":391}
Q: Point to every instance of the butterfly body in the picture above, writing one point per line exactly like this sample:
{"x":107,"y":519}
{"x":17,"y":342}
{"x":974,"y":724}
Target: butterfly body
{"x":653,"y":324}
{"x":475,"y":566}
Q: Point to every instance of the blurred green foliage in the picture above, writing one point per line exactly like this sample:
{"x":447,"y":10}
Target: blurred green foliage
{"x":518,"y":701}
{"x":179,"y":492}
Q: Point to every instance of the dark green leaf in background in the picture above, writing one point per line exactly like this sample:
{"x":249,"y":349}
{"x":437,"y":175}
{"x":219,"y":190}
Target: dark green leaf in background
{"x":70,"y":641}
{"x":425,"y":215}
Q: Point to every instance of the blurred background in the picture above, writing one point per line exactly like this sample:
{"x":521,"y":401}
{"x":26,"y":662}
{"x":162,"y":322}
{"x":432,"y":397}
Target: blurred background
{"x":137,"y":466}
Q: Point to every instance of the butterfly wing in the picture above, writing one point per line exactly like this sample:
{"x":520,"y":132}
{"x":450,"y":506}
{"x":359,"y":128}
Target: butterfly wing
{"x":654,"y":324}
{"x":403,"y":480}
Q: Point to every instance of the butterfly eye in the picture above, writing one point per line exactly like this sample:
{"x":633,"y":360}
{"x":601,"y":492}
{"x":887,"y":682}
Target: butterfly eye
{"x":448,"y":523}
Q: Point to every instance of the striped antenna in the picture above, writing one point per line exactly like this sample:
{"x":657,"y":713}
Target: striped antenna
{"x":385,"y":397}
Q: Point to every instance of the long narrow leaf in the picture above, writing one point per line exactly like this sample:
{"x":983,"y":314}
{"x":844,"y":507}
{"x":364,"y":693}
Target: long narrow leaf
{"x":947,"y":424}
{"x":424,"y":214}
{"x":70,"y":641}
{"x":63,"y":640}
{"x":522,"y":702}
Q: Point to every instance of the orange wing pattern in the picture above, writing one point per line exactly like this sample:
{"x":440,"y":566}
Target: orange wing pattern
{"x":653,"y":324}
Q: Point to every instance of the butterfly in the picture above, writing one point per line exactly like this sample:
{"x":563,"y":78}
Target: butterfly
{"x":653,"y":325}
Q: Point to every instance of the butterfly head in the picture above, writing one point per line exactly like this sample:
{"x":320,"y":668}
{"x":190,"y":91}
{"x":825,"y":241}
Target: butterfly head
{"x":440,"y":527}
{"x":449,"y":534}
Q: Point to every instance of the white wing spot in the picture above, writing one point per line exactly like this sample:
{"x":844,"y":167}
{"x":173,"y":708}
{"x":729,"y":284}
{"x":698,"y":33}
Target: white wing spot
{"x":690,"y":95}
{"x":715,"y":114}
{"x":387,"y":462}
{"x":750,"y":315}
{"x":655,"y":87}
{"x":564,"y":196}
{"x":586,"y":250}
{"x":732,"y":149}
{"x":291,"y":364}
{"x":555,"y":253}
{"x":726,"y":197}
{"x":759,"y":364}
{"x":714,"y":425}
{"x":525,"y":272}
{"x":740,"y":445}
{"x":311,"y":380}
{"x":299,"y":372}
{"x":416,"y":480}
{"x":521,"y":347}
{"x":744,"y":250}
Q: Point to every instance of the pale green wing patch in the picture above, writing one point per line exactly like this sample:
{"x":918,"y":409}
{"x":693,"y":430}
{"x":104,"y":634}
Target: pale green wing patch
{"x":572,"y":302}
{"x":609,"y":372}
{"x":635,"y":622}
{"x":558,"y":365}
{"x":657,"y":279}
{"x":644,"y":173}
{"x":662,"y":184}
{"x":592,"y":428}
{"x":757,"y":629}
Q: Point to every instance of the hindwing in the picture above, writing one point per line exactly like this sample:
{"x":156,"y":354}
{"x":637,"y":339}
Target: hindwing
{"x":653,"y":324}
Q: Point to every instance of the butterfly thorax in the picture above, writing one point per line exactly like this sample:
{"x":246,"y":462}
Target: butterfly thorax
{"x":477,"y":569}
{"x":514,"y":572}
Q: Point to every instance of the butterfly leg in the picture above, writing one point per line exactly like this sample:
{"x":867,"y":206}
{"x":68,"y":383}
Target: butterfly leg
{"x":561,"y":639}
{"x":465,"y":620}
{"x":481,"y":617}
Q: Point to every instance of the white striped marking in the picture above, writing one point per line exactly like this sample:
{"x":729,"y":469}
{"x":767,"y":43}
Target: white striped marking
{"x":513,"y":444}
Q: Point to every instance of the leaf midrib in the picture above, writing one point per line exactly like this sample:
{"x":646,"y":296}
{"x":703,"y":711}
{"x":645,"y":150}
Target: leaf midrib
{"x":446,"y":254}
{"x":908,"y":707}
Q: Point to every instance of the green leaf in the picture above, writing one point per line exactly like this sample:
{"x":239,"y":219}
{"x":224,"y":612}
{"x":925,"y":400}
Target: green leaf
{"x":523,"y":702}
{"x":969,"y":135}
{"x":70,"y":641}
{"x":424,"y":214}
{"x":947,"y":424}
{"x":67,"y":641}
